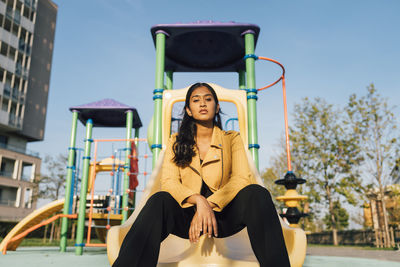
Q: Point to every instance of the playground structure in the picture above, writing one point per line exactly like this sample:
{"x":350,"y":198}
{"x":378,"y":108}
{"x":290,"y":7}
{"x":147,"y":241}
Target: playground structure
{"x":196,"y":47}
{"x":211,"y":47}
{"x":121,"y":168}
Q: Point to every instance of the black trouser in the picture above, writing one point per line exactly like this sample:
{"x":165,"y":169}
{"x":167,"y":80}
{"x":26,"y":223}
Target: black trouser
{"x":162,"y":215}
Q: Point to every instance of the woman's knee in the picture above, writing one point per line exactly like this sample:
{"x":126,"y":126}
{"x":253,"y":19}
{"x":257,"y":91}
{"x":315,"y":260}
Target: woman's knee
{"x":160,"y":198}
{"x":256,"y":192}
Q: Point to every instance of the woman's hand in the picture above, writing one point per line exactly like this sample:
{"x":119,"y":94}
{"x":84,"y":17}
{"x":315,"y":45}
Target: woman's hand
{"x":203,"y":220}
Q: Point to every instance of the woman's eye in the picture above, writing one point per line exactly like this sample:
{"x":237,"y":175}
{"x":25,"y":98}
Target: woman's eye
{"x":209,"y":99}
{"x":195,"y":100}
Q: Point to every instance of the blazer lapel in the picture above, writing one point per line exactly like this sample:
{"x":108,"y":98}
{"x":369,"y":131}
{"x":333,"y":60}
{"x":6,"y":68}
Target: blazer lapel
{"x":195,"y":164}
{"x":214,"y":153}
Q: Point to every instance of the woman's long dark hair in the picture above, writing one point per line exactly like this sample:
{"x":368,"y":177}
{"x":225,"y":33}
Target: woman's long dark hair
{"x":184,"y":145}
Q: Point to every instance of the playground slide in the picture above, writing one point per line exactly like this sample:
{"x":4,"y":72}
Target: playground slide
{"x":32,"y":219}
{"x":231,"y":251}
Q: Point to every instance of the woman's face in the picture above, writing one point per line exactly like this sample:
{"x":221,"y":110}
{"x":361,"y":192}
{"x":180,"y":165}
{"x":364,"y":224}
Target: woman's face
{"x":202,"y":106}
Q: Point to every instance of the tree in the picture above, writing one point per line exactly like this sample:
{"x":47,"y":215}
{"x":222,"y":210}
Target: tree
{"x":341,"y":217}
{"x":374,"y":125}
{"x":269,"y":177}
{"x":51,"y":185}
{"x":276,"y":171}
{"x":328,"y":155}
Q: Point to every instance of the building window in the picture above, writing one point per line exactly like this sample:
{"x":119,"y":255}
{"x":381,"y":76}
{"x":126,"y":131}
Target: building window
{"x":3,"y":141}
{"x":4,"y":106}
{"x":17,"y":82}
{"x":8,"y":196}
{"x":7,"y":167}
{"x":4,"y":49}
{"x":1,"y":74}
{"x":23,"y":34}
{"x":26,"y":12}
{"x":7,"y":25}
{"x":15,"y":29}
{"x":27,"y":198}
{"x":32,"y":15}
{"x":12,"y":53}
{"x":10,"y":3}
{"x":18,"y":7}
{"x":8,"y":77}
{"x":27,"y":169}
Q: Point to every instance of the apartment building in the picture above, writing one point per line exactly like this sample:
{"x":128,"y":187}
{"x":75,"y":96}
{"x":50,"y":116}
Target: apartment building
{"x":27,"y":29}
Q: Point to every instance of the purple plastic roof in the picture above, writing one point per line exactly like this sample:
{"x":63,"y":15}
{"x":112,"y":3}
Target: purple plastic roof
{"x":106,"y":103}
{"x":209,"y":23}
{"x":106,"y":113}
{"x":205,"y":46}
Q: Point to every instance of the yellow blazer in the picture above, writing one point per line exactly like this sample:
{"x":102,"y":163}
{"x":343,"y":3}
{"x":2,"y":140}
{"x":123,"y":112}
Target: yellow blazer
{"x":224,"y":169}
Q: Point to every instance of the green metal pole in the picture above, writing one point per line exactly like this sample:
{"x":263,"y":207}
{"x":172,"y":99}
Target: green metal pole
{"x":136,"y":140}
{"x":159,"y":84}
{"x":251,"y":97}
{"x":170,"y":80}
{"x":242,"y":79}
{"x":125,"y":196}
{"x":68,"y":183}
{"x":84,"y":186}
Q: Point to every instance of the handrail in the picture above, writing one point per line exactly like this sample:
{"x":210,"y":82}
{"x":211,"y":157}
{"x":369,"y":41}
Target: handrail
{"x":33,"y":228}
{"x":281,"y":78}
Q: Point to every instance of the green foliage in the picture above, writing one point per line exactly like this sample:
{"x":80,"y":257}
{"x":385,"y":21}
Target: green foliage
{"x":341,"y":217}
{"x":374,"y":126}
{"x":335,"y":149}
{"x":327,"y":152}
{"x":269,"y":177}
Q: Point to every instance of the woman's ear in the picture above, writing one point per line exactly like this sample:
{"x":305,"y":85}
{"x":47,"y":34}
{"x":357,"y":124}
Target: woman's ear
{"x":188,"y":112}
{"x":217,"y":109}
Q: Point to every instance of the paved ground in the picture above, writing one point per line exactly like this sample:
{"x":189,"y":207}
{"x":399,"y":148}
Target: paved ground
{"x":96,"y":257}
{"x":386,"y":255}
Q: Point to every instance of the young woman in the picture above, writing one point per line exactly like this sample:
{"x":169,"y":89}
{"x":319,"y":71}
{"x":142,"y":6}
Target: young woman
{"x":207,"y":188}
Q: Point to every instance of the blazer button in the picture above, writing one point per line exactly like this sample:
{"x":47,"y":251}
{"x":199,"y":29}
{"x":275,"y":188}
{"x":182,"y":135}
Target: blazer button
{"x":215,"y":156}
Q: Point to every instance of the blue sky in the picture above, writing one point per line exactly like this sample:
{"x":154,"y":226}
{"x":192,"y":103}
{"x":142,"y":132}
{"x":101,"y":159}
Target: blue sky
{"x":330,"y":49}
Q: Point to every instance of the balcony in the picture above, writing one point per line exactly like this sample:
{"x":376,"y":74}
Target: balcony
{"x":22,"y":98}
{"x":33,"y":5}
{"x":17,"y":18}
{"x":15,"y":95}
{"x":26,"y":177}
{"x":9,"y":203}
{"x":21,"y":45}
{"x":7,"y":90}
{"x":20,"y":150}
{"x":9,"y":12}
{"x":28,"y":50}
{"x":8,"y":174}
{"x":14,"y":120}
{"x":18,"y":68}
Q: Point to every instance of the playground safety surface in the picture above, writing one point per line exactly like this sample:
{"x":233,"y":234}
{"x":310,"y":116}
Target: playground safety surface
{"x":316,"y":256}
